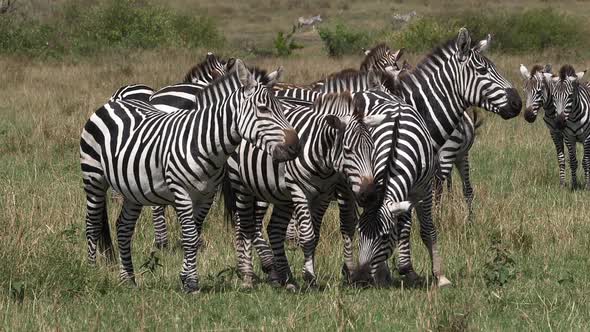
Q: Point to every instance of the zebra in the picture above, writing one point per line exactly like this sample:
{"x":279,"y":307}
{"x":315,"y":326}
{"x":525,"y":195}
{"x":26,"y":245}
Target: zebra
{"x":182,"y":95}
{"x":154,"y":158}
{"x":381,"y":58}
{"x":571,"y":101}
{"x":337,"y":148}
{"x":452,"y":78}
{"x":261,"y":76}
{"x":133,"y":91}
{"x":539,"y":94}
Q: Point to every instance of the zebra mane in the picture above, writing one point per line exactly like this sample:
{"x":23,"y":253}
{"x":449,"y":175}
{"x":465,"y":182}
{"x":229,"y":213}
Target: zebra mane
{"x":565,"y":71}
{"x":442,"y":51}
{"x":324,"y":102}
{"x":374,"y":53}
{"x":536,"y":69}
{"x":200,"y":68}
{"x":230,"y":79}
{"x":260,"y":75}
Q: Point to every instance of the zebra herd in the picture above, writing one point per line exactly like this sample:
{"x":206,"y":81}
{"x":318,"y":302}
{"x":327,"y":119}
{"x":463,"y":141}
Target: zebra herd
{"x":379,"y":138}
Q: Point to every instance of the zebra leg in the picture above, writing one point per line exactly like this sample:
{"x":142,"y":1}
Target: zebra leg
{"x":428,"y":235}
{"x":293,"y":233}
{"x":571,"y":147}
{"x":160,"y":232}
{"x":586,"y":162}
{"x":260,"y":243}
{"x":404,"y":264}
{"x":308,"y":240}
{"x":349,"y":216}
{"x":463,"y":167}
{"x":557,"y":138}
{"x":245,"y":229}
{"x":97,"y":223}
{"x":190,"y":216}
{"x":125,"y":229}
{"x":277,"y":229}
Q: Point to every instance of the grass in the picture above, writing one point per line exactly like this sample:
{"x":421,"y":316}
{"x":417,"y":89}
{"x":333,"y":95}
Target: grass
{"x":45,"y":283}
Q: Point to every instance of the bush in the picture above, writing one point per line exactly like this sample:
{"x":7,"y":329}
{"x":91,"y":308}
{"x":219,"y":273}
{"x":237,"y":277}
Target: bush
{"x":285,"y":44}
{"x":341,"y":40}
{"x":124,"y":24}
{"x":515,"y":32}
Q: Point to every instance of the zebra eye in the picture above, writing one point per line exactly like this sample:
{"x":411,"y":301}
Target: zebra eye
{"x":482,"y":70}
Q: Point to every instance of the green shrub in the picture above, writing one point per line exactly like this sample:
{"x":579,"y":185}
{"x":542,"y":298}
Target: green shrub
{"x":514,"y":32}
{"x":341,"y":40}
{"x":285,"y":44}
{"x":126,"y":24}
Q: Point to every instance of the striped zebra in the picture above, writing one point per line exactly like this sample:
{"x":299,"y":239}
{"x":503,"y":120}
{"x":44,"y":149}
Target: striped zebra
{"x":337,"y":148}
{"x":182,"y":95}
{"x":155,"y":158}
{"x":260,"y":75}
{"x":133,"y":91}
{"x":452,"y":78}
{"x":381,"y":58}
{"x":571,"y":101}
{"x":539,"y":95}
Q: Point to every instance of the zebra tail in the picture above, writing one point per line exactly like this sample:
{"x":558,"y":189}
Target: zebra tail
{"x":105,"y":243}
{"x":229,"y":199}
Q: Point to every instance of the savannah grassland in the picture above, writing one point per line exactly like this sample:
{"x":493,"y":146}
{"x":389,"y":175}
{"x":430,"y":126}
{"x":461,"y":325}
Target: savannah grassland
{"x":523,"y":264}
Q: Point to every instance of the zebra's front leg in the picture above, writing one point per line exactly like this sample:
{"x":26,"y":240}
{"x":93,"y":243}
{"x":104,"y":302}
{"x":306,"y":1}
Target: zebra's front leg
{"x":160,"y":231}
{"x":245,"y":229}
{"x":308,"y":239}
{"x":463,"y":167}
{"x":349,"y":216}
{"x":557,"y":138}
{"x":260,"y":243}
{"x":191,"y":216}
{"x":277,"y":229}
{"x":571,"y":147}
{"x":125,"y":229}
{"x":428,"y":235}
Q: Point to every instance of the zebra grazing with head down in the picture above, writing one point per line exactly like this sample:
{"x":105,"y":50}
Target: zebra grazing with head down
{"x":337,"y":148}
{"x":182,"y":95}
{"x":156,"y":158}
{"x":571,"y":101}
{"x":539,"y":95}
{"x":452,"y":78}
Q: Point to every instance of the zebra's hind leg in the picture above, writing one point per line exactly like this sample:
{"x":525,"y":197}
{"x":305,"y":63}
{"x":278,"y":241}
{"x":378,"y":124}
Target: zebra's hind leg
{"x":260,"y":243}
{"x":160,"y":231}
{"x":463,"y":167}
{"x":404,"y":264}
{"x":245,"y":229}
{"x":428,"y":235}
{"x":571,"y":147}
{"x":557,"y":138}
{"x":97,"y":224}
{"x":277,"y":229}
{"x":125,"y":229}
{"x":586,"y":163}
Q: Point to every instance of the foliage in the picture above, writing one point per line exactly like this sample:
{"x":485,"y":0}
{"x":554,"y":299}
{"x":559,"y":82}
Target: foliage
{"x":514,"y":32}
{"x":285,"y":44}
{"x":341,"y":40}
{"x":115,"y":24}
{"x":499,"y":269}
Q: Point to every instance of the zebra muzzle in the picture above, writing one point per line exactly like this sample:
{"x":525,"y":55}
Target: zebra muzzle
{"x":529,"y":115}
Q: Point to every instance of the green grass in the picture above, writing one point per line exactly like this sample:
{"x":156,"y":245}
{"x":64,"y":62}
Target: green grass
{"x":46,"y":284}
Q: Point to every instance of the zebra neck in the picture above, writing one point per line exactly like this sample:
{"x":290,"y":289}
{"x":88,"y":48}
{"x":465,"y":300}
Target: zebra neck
{"x":437,"y":98}
{"x":322,"y":149}
{"x":580,"y":105}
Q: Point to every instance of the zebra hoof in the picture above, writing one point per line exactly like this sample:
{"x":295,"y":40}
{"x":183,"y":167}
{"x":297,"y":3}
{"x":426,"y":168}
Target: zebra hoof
{"x":128,"y":282}
{"x":247,"y":283}
{"x":443,"y":282}
{"x":189,"y":285}
{"x":291,"y":287}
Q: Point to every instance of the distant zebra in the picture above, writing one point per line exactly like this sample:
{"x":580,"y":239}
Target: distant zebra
{"x":539,"y":94}
{"x":452,"y":78}
{"x":337,"y":148}
{"x":572,"y":106}
{"x":156,"y":158}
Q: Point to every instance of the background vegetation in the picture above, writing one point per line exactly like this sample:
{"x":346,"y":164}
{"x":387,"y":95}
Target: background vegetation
{"x":522,"y":265}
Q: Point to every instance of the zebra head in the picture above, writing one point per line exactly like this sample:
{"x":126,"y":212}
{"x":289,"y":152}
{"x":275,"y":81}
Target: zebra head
{"x":206,"y":72}
{"x":381,"y":58}
{"x":564,"y":90}
{"x":479,"y":80}
{"x":260,"y":119}
{"x":535,"y":89}
{"x":353,"y":145}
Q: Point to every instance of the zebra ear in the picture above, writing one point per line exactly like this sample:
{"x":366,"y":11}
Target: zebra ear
{"x":398,"y":54}
{"x":373,"y":121}
{"x":229,"y":65}
{"x":463,"y":44}
{"x":246,"y":78}
{"x":274,"y":77}
{"x":524,"y":72}
{"x":580,"y":74}
{"x":335,"y":122}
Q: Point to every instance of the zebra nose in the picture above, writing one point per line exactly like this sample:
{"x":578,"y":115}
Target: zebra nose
{"x":561,"y":120}
{"x":291,"y":142}
{"x":367,"y":190}
{"x":529,"y":115}
{"x":514,"y":100}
